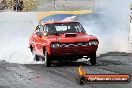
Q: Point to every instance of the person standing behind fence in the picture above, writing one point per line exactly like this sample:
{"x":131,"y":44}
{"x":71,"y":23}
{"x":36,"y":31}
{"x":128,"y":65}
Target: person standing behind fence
{"x":3,"y":4}
{"x":18,"y":6}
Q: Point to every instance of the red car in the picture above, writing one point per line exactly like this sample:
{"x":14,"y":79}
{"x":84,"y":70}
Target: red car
{"x":62,"y":41}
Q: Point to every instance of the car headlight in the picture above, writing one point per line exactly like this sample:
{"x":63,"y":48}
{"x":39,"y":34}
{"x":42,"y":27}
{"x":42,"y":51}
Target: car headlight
{"x":54,"y":45}
{"x":91,"y":43}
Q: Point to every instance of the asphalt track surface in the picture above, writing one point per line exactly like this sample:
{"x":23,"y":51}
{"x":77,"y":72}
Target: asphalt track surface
{"x":63,"y":75}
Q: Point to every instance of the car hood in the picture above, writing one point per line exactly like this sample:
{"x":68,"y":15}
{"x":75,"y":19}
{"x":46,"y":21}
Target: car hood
{"x":76,"y":37}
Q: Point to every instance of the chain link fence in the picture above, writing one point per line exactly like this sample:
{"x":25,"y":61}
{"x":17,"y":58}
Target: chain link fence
{"x":46,"y":5}
{"x":18,"y":5}
{"x":64,"y":5}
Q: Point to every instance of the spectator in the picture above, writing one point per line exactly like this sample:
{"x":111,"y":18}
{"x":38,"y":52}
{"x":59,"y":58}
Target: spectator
{"x":2,"y":4}
{"x":18,"y":6}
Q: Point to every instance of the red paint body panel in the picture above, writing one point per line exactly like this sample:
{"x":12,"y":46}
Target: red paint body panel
{"x":71,"y":51}
{"x":45,"y":41}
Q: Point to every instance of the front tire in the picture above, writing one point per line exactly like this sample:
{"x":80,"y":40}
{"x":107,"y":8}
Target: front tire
{"x":47,"y":59}
{"x":93,"y":59}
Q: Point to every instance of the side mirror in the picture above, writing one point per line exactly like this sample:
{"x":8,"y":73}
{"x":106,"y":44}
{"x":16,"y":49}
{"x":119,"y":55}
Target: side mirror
{"x":38,"y":30}
{"x":39,"y":27}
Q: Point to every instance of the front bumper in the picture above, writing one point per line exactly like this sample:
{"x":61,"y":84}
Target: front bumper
{"x":72,"y":51}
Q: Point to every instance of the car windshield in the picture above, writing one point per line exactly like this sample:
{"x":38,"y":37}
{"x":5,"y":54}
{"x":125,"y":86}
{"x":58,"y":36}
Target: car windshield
{"x":64,"y":28}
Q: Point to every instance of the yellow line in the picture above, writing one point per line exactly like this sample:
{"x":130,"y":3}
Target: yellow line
{"x":45,"y":14}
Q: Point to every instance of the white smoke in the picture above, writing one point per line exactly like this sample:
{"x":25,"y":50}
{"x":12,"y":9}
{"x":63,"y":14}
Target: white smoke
{"x":15,"y":29}
{"x":110,"y":24}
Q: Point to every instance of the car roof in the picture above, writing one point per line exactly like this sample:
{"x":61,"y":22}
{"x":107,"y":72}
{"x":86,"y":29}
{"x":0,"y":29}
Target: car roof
{"x":59,"y":22}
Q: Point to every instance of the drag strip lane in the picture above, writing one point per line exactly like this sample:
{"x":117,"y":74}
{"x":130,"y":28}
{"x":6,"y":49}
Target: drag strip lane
{"x":63,"y":75}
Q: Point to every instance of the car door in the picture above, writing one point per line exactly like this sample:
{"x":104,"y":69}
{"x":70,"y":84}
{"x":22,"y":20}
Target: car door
{"x":38,"y":39}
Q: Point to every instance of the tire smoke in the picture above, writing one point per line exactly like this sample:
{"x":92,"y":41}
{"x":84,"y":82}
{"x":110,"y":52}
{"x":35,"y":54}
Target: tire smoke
{"x":15,"y":29}
{"x":110,"y":23}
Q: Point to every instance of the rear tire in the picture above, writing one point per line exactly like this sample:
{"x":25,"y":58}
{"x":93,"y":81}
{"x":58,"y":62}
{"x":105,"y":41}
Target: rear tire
{"x":93,"y":59}
{"x":47,"y":59}
{"x":36,"y":57}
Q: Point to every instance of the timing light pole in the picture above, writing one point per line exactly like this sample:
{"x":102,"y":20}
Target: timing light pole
{"x":93,"y":6}
{"x":54,"y":4}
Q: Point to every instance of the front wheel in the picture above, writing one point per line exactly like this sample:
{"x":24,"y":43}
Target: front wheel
{"x":47,"y":59}
{"x":93,"y":59}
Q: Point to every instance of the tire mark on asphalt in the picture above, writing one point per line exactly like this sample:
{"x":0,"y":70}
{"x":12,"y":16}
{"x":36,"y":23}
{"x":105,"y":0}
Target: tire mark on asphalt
{"x":61,"y":72}
{"x":7,"y":74}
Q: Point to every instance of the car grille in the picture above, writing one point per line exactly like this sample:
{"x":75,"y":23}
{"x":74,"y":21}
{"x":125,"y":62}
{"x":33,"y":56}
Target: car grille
{"x":73,"y":44}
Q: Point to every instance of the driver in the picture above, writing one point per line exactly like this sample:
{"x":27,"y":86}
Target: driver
{"x":52,"y":29}
{"x":71,"y":30}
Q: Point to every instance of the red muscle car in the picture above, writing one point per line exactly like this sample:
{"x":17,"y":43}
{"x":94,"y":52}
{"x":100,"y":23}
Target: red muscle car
{"x":62,"y":41}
